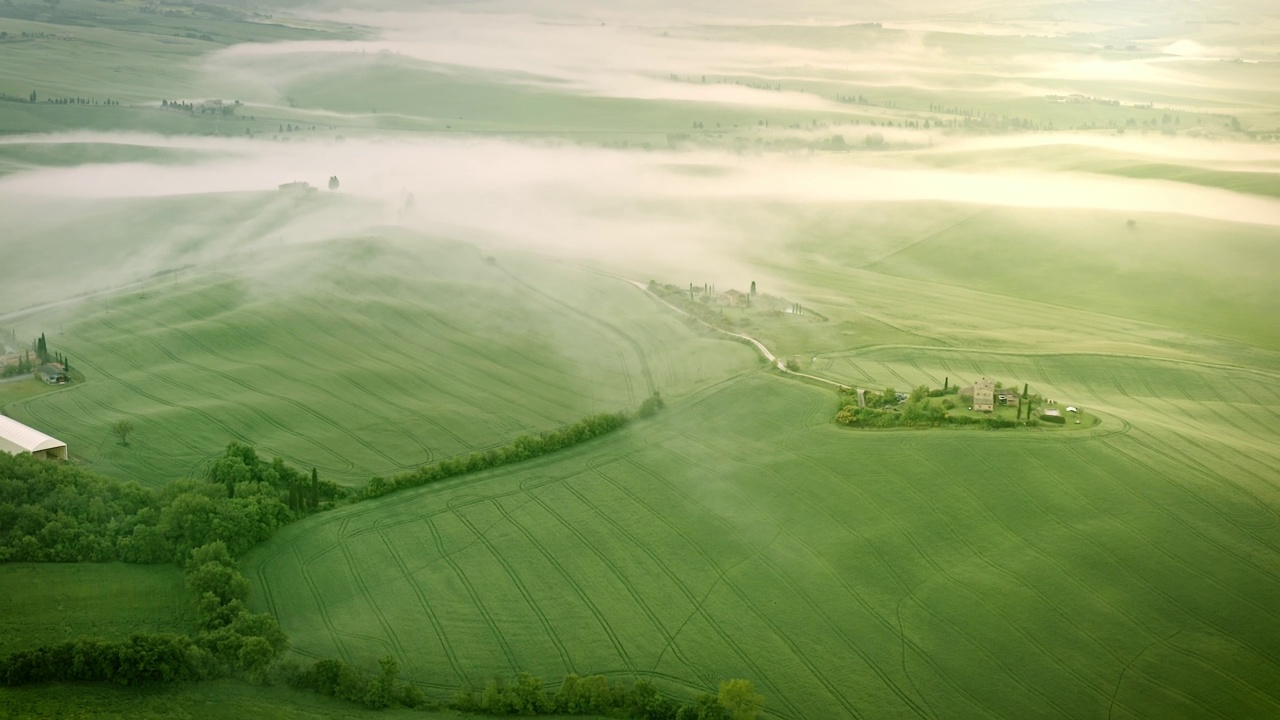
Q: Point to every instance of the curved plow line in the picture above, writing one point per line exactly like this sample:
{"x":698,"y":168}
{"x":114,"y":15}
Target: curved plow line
{"x":192,"y":391}
{"x":1270,"y":434}
{"x":256,"y":391}
{"x":995,"y":660}
{"x":1063,"y":571}
{"x":322,"y":351}
{"x":622,"y":581}
{"x":1209,"y":506}
{"x":475,"y":598}
{"x":1156,"y":637}
{"x":320,"y":608}
{"x":1228,"y":460}
{"x":921,"y":653}
{"x":426,"y":606}
{"x":362,"y":391}
{"x":693,"y":600}
{"x":627,"y":662}
{"x":80,"y":398}
{"x":1210,"y":472}
{"x":161,"y":403}
{"x":1177,"y":561}
{"x":441,"y":365}
{"x":524,"y":592}
{"x":1193,"y":531}
{"x":800,"y":592}
{"x":363,"y":588}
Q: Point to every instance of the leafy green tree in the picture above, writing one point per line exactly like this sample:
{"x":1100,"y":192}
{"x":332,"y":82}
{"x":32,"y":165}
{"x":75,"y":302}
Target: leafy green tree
{"x":740,"y":699}
{"x":122,"y":429}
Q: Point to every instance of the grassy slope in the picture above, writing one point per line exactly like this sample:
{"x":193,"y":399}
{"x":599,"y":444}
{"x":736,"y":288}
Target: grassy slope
{"x":1184,"y":273}
{"x":51,"y":603}
{"x":360,"y":357}
{"x":882,"y":574}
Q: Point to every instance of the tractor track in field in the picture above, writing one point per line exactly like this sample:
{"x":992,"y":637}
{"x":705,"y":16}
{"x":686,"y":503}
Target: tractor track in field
{"x":758,"y":554}
{"x":1119,"y":563}
{"x":369,"y":600}
{"x":520,"y":587}
{"x":320,"y":606}
{"x":1174,"y":559}
{"x":800,"y":592}
{"x":937,"y":570}
{"x":687,"y":592}
{"x":323,"y":419}
{"x":614,"y":570}
{"x":190,"y":390}
{"x":441,"y":365}
{"x":350,"y":382}
{"x":475,"y":597}
{"x":106,"y":349}
{"x":573,"y":584}
{"x":1208,"y":472}
{"x":449,"y":652}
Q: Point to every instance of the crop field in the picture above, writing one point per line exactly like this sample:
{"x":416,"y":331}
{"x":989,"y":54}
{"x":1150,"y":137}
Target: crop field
{"x":850,"y":574}
{"x":368,"y":360}
{"x":45,"y":603}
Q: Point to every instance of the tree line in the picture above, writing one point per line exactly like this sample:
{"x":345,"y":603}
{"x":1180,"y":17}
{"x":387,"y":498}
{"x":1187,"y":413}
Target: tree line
{"x":228,"y":640}
{"x":525,"y":447}
{"x":56,"y":512}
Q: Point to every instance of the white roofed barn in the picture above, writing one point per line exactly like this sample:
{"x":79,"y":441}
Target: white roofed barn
{"x":16,"y":438}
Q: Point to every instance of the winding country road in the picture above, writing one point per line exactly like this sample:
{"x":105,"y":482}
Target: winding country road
{"x":773,"y":359}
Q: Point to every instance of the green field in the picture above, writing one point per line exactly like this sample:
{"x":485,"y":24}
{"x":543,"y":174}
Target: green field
{"x":509,"y":178}
{"x":49,"y":603}
{"x":369,"y":359}
{"x":848,"y":574}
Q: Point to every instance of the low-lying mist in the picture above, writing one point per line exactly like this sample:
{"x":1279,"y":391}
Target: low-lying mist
{"x":683,"y":211}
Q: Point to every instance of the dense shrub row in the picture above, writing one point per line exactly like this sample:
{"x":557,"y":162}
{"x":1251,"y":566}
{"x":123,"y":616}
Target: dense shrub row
{"x":525,"y":447}
{"x":140,"y":660}
{"x":56,"y":512}
{"x":1059,"y":419}
{"x":338,"y":679}
{"x":595,"y":695}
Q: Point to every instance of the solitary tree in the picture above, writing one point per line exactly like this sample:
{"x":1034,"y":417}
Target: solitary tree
{"x":122,"y":429}
{"x":753,"y":288}
{"x":740,"y":699}
{"x":333,"y":182}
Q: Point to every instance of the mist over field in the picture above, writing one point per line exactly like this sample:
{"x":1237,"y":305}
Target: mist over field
{"x":664,"y":360}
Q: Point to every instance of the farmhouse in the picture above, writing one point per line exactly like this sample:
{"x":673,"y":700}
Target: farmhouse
{"x":732,"y":298}
{"x":297,"y":186}
{"x":16,"y":439}
{"x":984,"y":392}
{"x":53,"y":374}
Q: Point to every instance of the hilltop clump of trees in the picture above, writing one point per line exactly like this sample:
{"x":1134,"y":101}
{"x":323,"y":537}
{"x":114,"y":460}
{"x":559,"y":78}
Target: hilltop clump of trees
{"x":886,"y":410}
{"x":54,"y":512}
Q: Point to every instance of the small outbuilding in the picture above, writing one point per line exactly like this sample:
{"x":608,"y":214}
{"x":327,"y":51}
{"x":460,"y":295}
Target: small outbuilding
{"x":53,"y":374}
{"x":16,"y":439}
